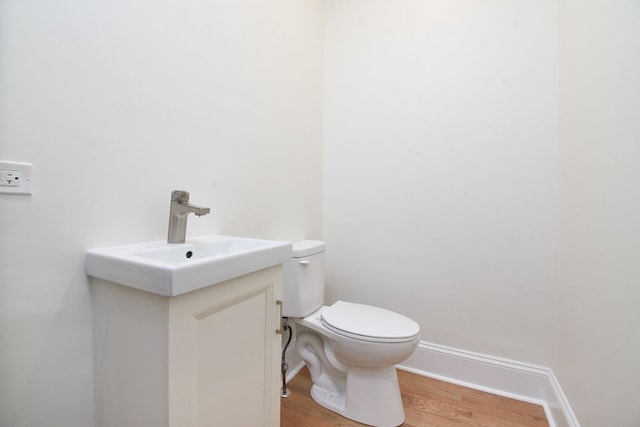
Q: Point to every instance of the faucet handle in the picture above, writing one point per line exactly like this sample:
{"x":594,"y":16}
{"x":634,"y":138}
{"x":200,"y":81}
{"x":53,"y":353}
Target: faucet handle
{"x":180,"y":196}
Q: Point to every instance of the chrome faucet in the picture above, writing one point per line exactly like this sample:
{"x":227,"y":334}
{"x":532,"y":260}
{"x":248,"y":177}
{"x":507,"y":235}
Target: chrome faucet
{"x":180,"y":209}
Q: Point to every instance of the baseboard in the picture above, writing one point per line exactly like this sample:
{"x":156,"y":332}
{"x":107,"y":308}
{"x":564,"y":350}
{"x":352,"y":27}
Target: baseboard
{"x":558,"y":405}
{"x":522,"y":381}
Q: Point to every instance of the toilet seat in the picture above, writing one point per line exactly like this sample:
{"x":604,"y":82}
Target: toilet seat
{"x":368,"y":323}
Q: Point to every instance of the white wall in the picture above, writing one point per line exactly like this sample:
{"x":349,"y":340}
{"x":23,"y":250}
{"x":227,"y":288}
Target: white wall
{"x":440,"y":142}
{"x":116,"y":104}
{"x":597,"y":338}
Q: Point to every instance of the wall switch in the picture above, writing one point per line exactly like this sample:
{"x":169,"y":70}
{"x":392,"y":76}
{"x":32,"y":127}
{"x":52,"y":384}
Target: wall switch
{"x":15,"y":177}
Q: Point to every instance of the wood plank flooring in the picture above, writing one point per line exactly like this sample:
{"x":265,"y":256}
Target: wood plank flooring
{"x":427,"y":403}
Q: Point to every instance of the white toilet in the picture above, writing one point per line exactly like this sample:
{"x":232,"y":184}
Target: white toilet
{"x":350,"y":349}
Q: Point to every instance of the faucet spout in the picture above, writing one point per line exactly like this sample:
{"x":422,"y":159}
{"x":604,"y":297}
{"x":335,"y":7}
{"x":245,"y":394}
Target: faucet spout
{"x":179,"y":210}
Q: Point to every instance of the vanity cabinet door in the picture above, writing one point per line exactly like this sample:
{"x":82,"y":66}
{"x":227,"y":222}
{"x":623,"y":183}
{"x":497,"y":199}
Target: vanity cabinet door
{"x":224,"y":353}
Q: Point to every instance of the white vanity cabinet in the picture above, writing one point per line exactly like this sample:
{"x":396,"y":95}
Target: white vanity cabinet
{"x":205,"y":358}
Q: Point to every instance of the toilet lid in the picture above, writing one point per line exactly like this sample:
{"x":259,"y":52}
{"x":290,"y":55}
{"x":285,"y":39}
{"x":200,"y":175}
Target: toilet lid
{"x":369,"y":323}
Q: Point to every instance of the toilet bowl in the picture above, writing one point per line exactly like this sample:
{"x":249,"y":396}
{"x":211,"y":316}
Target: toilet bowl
{"x":350,"y":349}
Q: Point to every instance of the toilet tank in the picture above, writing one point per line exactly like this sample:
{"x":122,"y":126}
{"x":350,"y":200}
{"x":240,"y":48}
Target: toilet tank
{"x":303,"y":279}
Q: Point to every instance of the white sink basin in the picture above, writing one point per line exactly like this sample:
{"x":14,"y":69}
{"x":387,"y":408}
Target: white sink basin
{"x":173,"y":269}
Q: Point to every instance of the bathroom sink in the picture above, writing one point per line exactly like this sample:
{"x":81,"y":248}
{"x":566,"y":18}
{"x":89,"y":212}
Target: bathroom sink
{"x":174,"y":269}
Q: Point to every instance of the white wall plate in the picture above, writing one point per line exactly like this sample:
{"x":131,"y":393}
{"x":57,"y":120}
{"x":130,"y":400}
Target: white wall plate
{"x":15,"y":177}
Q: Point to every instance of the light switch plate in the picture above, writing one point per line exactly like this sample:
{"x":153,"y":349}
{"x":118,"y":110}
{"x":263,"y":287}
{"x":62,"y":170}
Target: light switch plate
{"x":15,"y":177}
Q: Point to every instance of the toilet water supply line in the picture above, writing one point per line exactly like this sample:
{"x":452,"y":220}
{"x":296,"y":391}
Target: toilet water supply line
{"x":284,"y":392}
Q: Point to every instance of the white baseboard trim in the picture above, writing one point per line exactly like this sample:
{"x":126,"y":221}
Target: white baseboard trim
{"x":558,"y":405}
{"x":293,"y":371}
{"x":522,"y":381}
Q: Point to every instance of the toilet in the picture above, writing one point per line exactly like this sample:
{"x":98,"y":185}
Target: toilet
{"x":350,"y":349}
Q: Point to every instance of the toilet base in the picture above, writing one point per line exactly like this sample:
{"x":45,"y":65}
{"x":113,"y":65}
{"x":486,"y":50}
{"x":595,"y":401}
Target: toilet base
{"x":372,"y":397}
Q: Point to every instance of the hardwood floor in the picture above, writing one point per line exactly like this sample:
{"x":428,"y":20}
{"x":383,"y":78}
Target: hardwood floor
{"x":427,"y":403}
